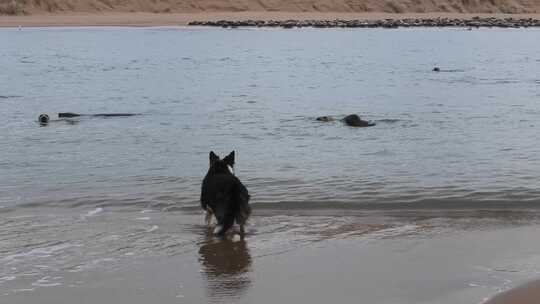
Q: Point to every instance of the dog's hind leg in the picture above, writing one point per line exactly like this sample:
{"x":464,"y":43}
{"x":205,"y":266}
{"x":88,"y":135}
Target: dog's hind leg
{"x":242,"y":231}
{"x":209,"y":216}
{"x":224,"y":224}
{"x":242,"y":215}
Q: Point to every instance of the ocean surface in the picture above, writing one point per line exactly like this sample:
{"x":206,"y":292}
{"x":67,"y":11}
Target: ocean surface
{"x":81,"y":193}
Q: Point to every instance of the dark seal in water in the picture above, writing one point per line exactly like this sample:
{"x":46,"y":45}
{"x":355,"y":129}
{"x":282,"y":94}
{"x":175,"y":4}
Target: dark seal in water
{"x":71,"y":115}
{"x":354,"y":120}
{"x":43,"y":119}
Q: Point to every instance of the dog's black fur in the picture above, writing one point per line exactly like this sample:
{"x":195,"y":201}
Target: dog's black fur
{"x":224,"y":195}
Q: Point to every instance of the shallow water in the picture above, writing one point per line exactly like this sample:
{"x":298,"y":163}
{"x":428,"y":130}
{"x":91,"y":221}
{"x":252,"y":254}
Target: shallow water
{"x":82,"y":193}
{"x":470,"y":134}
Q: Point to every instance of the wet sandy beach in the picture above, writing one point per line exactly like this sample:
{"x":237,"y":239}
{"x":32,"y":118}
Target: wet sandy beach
{"x":376,"y":257}
{"x":528,"y":293}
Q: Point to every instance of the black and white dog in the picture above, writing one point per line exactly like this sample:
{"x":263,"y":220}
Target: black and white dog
{"x":224,"y":196}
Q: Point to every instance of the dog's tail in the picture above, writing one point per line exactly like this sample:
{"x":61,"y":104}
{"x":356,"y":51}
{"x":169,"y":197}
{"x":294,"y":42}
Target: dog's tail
{"x":238,"y":209}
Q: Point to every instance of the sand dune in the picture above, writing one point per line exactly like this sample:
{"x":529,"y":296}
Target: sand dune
{"x":198,"y":6}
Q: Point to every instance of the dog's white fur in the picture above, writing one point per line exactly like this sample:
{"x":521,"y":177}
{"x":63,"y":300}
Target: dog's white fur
{"x":209,"y":216}
{"x":217,"y":229}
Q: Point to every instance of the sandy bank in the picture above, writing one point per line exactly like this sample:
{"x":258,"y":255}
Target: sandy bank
{"x":317,"y":6}
{"x":526,"y":294}
{"x":175,"y":19}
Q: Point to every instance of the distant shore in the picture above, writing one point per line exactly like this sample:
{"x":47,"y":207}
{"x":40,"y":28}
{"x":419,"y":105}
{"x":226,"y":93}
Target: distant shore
{"x":474,"y":22}
{"x":180,"y":19}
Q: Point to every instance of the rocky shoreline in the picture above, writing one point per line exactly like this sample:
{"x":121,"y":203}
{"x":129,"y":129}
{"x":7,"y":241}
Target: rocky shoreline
{"x":474,"y":22}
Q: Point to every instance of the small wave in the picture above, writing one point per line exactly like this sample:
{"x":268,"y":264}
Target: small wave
{"x":46,"y":282}
{"x":88,"y":201}
{"x":393,"y":232}
{"x":42,"y":252}
{"x":420,"y":204}
{"x":23,"y":290}
{"x":92,"y":264}
{"x":7,"y":279}
{"x":388,"y":120}
{"x":384,"y":152}
{"x":94,"y":212}
{"x":504,"y":81}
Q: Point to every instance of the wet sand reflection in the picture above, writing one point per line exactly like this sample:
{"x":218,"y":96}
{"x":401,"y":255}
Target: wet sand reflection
{"x":226,"y":265}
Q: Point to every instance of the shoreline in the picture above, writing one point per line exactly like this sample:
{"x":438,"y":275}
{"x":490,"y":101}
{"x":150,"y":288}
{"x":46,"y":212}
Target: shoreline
{"x":183,"y":19}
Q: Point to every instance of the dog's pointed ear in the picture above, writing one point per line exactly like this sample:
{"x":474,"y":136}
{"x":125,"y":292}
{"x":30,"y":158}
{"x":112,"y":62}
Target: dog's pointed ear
{"x":213,"y":158}
{"x":229,"y":159}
